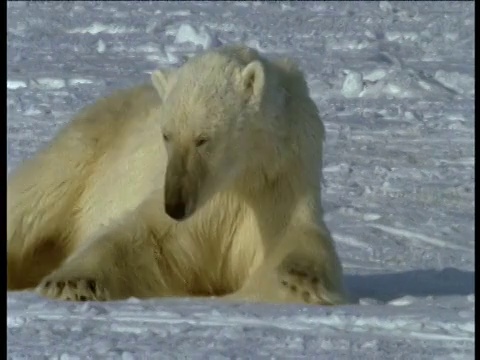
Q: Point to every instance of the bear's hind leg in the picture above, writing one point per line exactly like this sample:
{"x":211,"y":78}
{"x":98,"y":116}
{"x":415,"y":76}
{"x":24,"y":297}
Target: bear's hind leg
{"x":41,"y":197}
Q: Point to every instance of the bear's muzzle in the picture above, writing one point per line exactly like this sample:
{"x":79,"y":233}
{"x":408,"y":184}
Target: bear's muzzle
{"x":176,"y":210}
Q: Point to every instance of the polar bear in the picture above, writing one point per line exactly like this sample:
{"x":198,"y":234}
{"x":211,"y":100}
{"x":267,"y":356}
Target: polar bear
{"x":205,"y":182}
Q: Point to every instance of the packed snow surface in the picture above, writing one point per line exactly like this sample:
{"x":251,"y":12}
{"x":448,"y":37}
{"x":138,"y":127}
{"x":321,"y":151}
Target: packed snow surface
{"x":394,"y":83}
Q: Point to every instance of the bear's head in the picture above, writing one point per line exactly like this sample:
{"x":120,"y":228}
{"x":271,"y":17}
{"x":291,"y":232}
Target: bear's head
{"x":215,"y":109}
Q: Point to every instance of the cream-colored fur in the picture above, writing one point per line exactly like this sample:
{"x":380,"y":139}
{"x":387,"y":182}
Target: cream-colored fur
{"x":205,"y":184}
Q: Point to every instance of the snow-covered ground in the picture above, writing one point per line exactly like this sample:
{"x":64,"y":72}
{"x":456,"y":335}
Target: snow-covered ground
{"x":394,"y":83}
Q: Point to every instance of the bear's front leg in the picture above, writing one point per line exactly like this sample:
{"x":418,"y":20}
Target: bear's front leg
{"x":302,"y":268}
{"x":88,"y":275}
{"x":117,"y":264}
{"x":81,"y":288}
{"x":305,"y":279}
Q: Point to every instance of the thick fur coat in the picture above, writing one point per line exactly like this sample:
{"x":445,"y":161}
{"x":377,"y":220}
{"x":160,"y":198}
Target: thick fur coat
{"x":205,"y":182}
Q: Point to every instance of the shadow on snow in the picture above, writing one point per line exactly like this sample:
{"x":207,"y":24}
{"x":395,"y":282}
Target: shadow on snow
{"x":417,"y":283}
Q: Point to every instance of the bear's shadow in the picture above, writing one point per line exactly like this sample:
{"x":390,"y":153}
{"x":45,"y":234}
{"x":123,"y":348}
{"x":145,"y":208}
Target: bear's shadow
{"x":416,"y":283}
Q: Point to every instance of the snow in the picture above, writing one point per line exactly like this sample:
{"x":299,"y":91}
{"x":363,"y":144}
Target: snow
{"x":394,"y":82}
{"x":188,"y":34}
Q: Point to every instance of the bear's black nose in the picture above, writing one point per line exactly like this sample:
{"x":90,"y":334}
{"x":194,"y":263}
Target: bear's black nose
{"x":176,"y":210}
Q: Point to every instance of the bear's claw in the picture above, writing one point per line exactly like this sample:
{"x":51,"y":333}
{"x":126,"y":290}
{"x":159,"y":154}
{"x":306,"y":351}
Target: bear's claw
{"x":303,"y":279}
{"x":79,"y":289}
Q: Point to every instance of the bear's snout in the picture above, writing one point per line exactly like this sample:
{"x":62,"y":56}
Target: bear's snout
{"x":184,"y":178}
{"x":176,"y":210}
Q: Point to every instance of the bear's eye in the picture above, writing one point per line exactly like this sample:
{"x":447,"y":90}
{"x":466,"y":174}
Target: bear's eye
{"x":201,"y":141}
{"x":166,"y":137}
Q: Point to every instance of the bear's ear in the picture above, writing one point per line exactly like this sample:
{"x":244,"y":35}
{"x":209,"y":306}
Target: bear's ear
{"x":253,"y":79}
{"x":160,"y":82}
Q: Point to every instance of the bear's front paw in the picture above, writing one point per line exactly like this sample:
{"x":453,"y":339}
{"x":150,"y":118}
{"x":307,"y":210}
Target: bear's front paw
{"x":73,"y":289}
{"x":307,"y":280}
